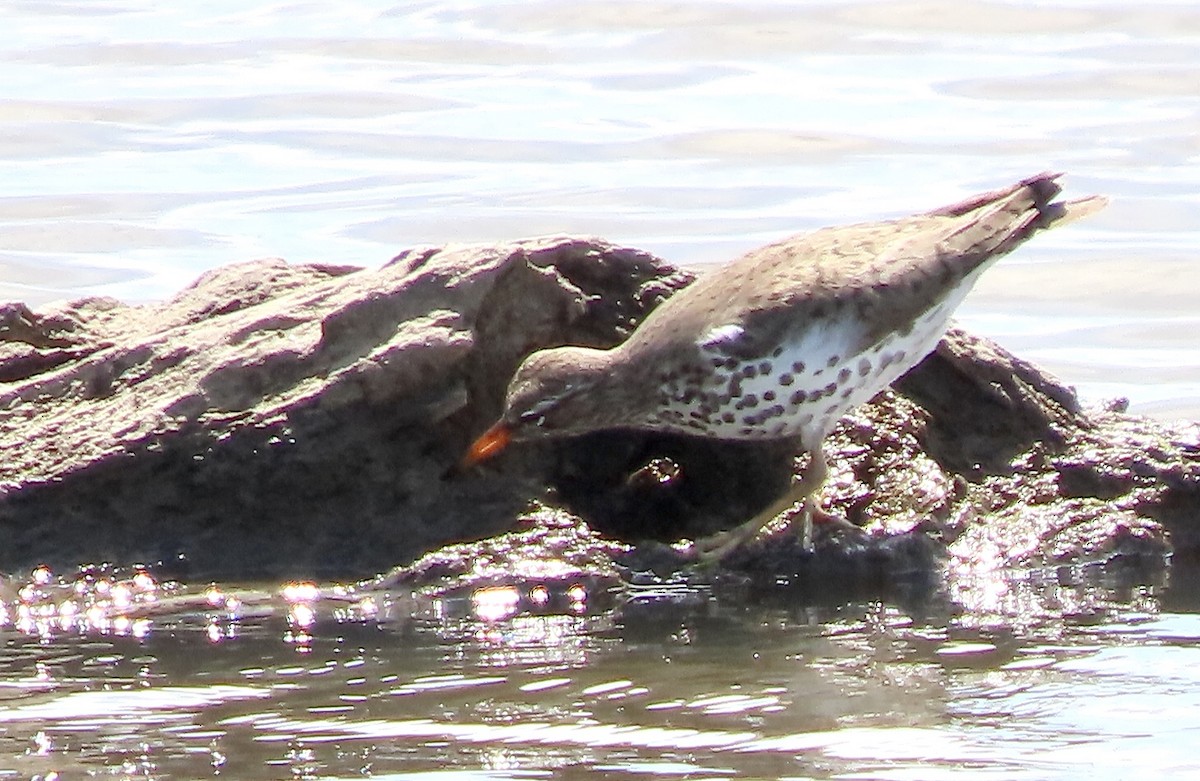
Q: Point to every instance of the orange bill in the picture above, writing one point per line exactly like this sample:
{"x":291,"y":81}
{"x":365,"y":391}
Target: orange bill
{"x":489,"y":444}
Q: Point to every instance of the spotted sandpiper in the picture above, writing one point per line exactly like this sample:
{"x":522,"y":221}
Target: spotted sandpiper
{"x":783,"y":341}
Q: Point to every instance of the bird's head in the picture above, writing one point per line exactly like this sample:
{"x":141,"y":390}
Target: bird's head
{"x":552,"y":393}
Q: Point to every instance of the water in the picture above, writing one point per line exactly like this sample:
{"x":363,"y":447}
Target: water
{"x":343,"y":684}
{"x":142,"y":143}
{"x":145,"y":142}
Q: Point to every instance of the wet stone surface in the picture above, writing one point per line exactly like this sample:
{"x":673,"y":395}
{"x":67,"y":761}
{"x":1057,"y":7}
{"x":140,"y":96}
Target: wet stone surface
{"x":300,"y":421}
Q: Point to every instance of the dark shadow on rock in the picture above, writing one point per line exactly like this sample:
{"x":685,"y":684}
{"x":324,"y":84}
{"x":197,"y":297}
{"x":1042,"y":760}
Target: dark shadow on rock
{"x":636,"y":486}
{"x":319,"y":498}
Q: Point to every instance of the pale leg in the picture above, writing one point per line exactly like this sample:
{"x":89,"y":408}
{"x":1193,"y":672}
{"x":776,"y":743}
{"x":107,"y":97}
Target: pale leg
{"x":713,"y":548}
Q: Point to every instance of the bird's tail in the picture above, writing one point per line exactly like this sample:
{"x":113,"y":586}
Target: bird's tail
{"x":1006,"y":217}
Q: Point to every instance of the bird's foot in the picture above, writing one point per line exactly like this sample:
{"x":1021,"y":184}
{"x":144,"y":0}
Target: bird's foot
{"x":813,"y":517}
{"x":710,"y":550}
{"x":833,"y":523}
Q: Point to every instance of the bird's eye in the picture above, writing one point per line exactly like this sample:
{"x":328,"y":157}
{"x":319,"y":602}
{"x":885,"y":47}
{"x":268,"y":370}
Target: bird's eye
{"x":537,"y":413}
{"x":534,"y":416}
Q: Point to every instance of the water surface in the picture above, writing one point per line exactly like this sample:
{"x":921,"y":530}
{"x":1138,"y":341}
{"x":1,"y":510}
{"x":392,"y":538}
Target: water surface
{"x":1086,"y":681}
{"x":143,"y":143}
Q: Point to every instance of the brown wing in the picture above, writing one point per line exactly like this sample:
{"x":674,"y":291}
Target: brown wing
{"x":884,"y":274}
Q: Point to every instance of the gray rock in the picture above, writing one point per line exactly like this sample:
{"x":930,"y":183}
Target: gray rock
{"x":282,"y":420}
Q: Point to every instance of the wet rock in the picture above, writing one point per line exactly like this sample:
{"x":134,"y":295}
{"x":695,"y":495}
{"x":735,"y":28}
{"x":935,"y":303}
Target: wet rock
{"x":276,"y":420}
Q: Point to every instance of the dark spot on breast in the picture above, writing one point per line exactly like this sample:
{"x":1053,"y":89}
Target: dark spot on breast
{"x":778,"y":351}
{"x":728,"y":417}
{"x":844,"y":376}
{"x":749,"y":370}
{"x":830,"y":389}
{"x":731,"y":363}
{"x":798,"y":367}
{"x":833,"y":361}
{"x":764,"y":367}
{"x":847,"y":392}
{"x":799,"y":397}
{"x":769,"y":395}
{"x":750,"y":400}
{"x":785,"y":379}
{"x":864,"y":367}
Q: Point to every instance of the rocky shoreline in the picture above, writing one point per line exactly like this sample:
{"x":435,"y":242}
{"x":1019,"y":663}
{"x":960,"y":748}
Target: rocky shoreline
{"x":277,"y":420}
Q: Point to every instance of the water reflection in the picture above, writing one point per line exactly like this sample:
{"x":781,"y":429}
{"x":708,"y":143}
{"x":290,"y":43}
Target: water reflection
{"x":328,"y":680}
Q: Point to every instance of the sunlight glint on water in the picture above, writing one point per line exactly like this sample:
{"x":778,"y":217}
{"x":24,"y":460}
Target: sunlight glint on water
{"x":860,"y":691}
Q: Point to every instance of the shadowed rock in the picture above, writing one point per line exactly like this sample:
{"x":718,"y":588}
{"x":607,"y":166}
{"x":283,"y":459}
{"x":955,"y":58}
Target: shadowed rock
{"x":275,"y":420}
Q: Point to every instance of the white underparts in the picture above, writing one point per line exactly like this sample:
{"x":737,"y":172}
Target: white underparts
{"x":803,"y":387}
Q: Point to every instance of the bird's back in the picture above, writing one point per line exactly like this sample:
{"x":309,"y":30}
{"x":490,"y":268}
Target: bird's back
{"x":887,"y":273}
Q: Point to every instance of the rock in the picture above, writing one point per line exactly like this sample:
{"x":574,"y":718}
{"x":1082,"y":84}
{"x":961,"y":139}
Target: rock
{"x":300,"y":421}
{"x":276,"y":420}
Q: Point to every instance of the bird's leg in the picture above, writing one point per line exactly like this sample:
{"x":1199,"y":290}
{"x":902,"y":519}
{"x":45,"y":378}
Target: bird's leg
{"x":714,"y":547}
{"x":807,"y":486}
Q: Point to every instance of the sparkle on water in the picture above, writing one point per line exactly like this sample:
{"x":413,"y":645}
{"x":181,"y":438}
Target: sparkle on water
{"x":116,"y":670}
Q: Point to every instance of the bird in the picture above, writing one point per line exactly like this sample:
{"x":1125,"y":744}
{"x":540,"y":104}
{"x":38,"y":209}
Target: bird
{"x":782,"y":342}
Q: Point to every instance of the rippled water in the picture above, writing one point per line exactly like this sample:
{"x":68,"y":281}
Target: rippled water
{"x":142,"y":143}
{"x":337,"y":683}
